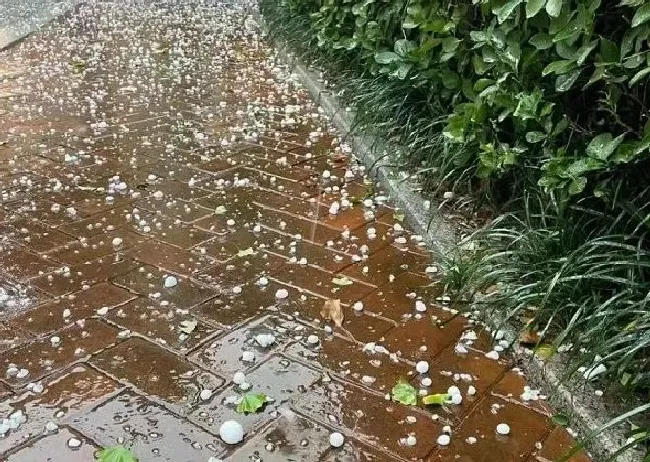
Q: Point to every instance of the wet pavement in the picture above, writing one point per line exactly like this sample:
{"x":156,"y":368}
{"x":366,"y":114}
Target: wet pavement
{"x":178,"y":220}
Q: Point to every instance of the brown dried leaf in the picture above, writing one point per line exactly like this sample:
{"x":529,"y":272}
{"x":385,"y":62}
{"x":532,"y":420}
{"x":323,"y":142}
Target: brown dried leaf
{"x":529,"y":337}
{"x":332,"y":311}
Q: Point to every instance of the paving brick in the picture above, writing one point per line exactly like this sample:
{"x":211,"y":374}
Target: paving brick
{"x":42,"y":357}
{"x":74,"y":278}
{"x":82,"y":305}
{"x":34,"y":235}
{"x":289,"y":437}
{"x":154,"y":433}
{"x":526,"y":429}
{"x":159,"y":372}
{"x":22,"y":264}
{"x":149,"y":281}
{"x":52,"y":448}
{"x":348,"y":360}
{"x":558,"y":443}
{"x":98,"y":246}
{"x":69,"y":393}
{"x":161,"y":324}
{"x":282,"y":379}
{"x":370,"y":418}
{"x":170,"y":258}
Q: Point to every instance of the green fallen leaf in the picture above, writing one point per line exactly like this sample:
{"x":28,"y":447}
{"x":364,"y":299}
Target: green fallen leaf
{"x":561,"y":420}
{"x":245,"y":253}
{"x":545,"y":351}
{"x":439,"y":399}
{"x":188,"y":326}
{"x":399,"y":216}
{"x":404,"y":393}
{"x":116,"y":454}
{"x":220,"y":210}
{"x":251,"y":403}
{"x":342,"y":281}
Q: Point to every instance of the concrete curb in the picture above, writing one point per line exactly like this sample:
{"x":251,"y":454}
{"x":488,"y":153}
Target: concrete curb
{"x":586,"y":413}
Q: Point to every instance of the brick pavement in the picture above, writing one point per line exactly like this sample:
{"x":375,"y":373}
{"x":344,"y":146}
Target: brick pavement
{"x":139,"y":142}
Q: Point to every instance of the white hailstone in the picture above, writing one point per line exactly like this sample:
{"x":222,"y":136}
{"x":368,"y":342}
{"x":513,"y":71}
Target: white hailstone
{"x":492,"y":355}
{"x":426,"y":382}
{"x":326,"y":174}
{"x":74,"y":443}
{"x":22,"y":374}
{"x":244,"y":386}
{"x":257,"y":228}
{"x":237,"y":290}
{"x":55,"y":340}
{"x":594,"y":372}
{"x":431,"y":270}
{"x":313,"y":340}
{"x":503,"y":429}
{"x":12,"y":371}
{"x":420,"y":306}
{"x":37,"y":388}
{"x":336,"y":440}
{"x":411,"y":440}
{"x":453,"y":390}
{"x":368,"y":379}
{"x":334,"y":208}
{"x":158,"y":195}
{"x":471,"y":390}
{"x":67,"y":313}
{"x":398,"y":228}
{"x":367,"y":202}
{"x":456,"y":399}
{"x":248,"y":356}
{"x":349,"y":174}
{"x":471,"y":440}
{"x":444,"y":440}
{"x":265,"y":340}
{"x":263,"y":281}
{"x":102,"y":311}
{"x":205,"y":395}
{"x":422,"y":367}
{"x":448,"y":195}
{"x":358,"y":306}
{"x":231,"y":432}
{"x":230,"y":222}
{"x":117,"y":242}
{"x":170,"y":281}
{"x":281,"y":294}
{"x":51,"y":427}
{"x":239,"y":378}
{"x":599,"y":393}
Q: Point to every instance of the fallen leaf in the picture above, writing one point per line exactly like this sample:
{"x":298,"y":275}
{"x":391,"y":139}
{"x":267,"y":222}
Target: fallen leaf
{"x":342,"y":281}
{"x":251,"y":403}
{"x":529,"y":337}
{"x":116,"y":454}
{"x":545,"y":351}
{"x":246,"y":253}
{"x":188,"y":326}
{"x":560,"y":419}
{"x":399,"y":216}
{"x":332,"y":310}
{"x":439,"y":399}
{"x":404,"y":393}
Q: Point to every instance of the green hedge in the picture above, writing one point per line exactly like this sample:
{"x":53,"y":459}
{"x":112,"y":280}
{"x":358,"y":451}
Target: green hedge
{"x":538,"y":108}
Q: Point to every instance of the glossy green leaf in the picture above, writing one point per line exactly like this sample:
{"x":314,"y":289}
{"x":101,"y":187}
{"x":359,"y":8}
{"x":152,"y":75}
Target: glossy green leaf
{"x":251,"y":403}
{"x":342,"y":281}
{"x":545,"y":351}
{"x":437,"y":399}
{"x":541,"y":41}
{"x":533,"y":7}
{"x":559,"y":67}
{"x":641,"y":16}
{"x":603,"y":146}
{"x":504,"y":11}
{"x":553,"y":8}
{"x":565,"y":81}
{"x":386,"y":57}
{"x":640,"y":75}
{"x":115,"y":454}
{"x":404,"y":393}
{"x":535,"y":137}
